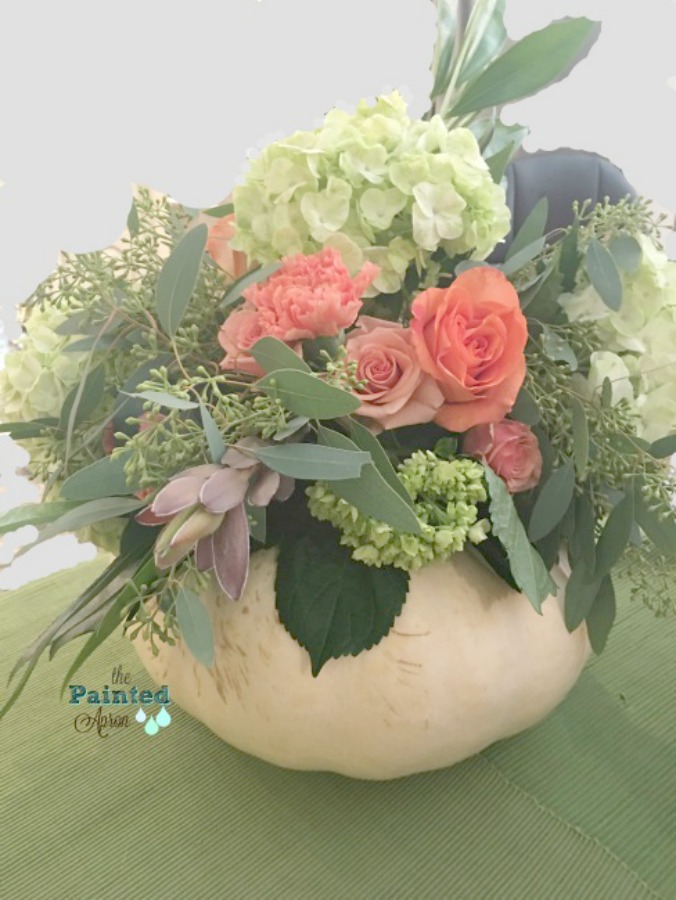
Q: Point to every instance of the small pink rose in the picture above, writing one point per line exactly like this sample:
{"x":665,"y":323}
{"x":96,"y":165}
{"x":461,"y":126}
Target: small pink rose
{"x":397,"y":391}
{"x":310,"y":296}
{"x":510,"y":449}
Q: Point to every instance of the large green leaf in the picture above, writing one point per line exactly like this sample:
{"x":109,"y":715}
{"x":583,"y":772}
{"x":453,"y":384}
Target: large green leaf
{"x":527,"y":567}
{"x":528,"y":66}
{"x":194,"y":622}
{"x":370,"y":492}
{"x":84,"y":399}
{"x":331,"y":604}
{"x":552,"y":502}
{"x":569,"y":259}
{"x":215,"y":439}
{"x":490,"y":39}
{"x":583,"y":541}
{"x":532,"y":229}
{"x":219,"y":212}
{"x":662,"y":532}
{"x":604,"y":274}
{"x":177,"y":280}
{"x":312,"y":462}
{"x":272,"y":355}
{"x":36,"y":514}
{"x":307,"y":395}
{"x":664,"y":447}
{"x":104,"y":478}
{"x":525,"y":409}
{"x":162,"y":398}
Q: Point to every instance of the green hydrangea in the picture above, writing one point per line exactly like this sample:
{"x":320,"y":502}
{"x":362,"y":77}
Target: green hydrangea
{"x":375,"y":185}
{"x":39,"y":375}
{"x":445,"y":495}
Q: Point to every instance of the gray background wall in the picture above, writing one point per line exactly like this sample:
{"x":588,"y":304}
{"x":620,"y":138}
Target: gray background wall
{"x":96,"y":96}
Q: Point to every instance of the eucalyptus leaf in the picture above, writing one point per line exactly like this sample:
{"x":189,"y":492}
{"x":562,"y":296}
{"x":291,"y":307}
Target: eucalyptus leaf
{"x":35,"y":514}
{"x":523,"y":257}
{"x":532,"y":229}
{"x":528,"y":66}
{"x":366,"y":440}
{"x":627,"y":253}
{"x":601,"y":617}
{"x":92,"y":342}
{"x":606,"y":393}
{"x":553,"y":501}
{"x":526,"y":564}
{"x":581,"y":592}
{"x":194,"y":623}
{"x":492,"y":35}
{"x":558,"y":349}
{"x":615,"y":536}
{"x":236,"y":291}
{"x":371,"y":493}
{"x":307,"y":395}
{"x":22,"y":431}
{"x":178,"y":277}
{"x":580,"y":437}
{"x":570,"y":259}
{"x":583,"y":541}
{"x":664,"y":447}
{"x":331,"y":604}
{"x":661,"y":532}
{"x":215,"y":440}
{"x":312,"y":462}
{"x":604,"y":274}
{"x":162,"y":398}
{"x":77,"y":323}
{"x":272,"y":355}
{"x":87,"y":395}
{"x":90,"y":513}
{"x":293,"y":426}
{"x":104,"y":478}
{"x":525,"y":409}
{"x":219,"y":212}
{"x":133,"y":223}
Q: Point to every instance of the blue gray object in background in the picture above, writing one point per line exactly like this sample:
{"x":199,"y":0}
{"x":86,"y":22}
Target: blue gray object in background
{"x":563,"y":176}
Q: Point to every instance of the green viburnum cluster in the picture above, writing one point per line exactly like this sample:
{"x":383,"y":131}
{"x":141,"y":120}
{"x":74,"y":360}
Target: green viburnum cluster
{"x":445,"y":495}
{"x":376,"y":186}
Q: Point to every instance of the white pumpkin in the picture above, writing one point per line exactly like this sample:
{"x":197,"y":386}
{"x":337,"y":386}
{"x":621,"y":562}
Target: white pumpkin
{"x":468,"y":662}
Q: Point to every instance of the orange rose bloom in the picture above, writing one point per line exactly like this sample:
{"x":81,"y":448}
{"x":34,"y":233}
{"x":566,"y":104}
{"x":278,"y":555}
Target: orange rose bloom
{"x":470,"y":337}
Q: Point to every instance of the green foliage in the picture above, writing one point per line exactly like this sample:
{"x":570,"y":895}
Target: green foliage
{"x":194,"y":623}
{"x":312,"y":461}
{"x":272,"y":355}
{"x":178,"y":278}
{"x":104,"y":478}
{"x":307,"y":395}
{"x":553,"y":502}
{"x":331,"y":604}
{"x":532,"y":229}
{"x":604,"y":274}
{"x":525,"y":562}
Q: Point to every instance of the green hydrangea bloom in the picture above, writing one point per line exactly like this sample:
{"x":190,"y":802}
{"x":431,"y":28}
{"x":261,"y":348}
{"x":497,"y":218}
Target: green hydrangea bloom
{"x":38,"y":375}
{"x":377,"y":186}
{"x":445,"y":494}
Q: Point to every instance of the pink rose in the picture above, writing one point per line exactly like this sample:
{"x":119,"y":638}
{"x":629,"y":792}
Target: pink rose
{"x":397,"y":392}
{"x":510,"y":449}
{"x":471,"y":337}
{"x":233,"y":262}
{"x":310,"y":296}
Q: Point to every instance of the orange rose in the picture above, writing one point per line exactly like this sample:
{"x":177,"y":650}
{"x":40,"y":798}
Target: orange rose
{"x":470,"y":337}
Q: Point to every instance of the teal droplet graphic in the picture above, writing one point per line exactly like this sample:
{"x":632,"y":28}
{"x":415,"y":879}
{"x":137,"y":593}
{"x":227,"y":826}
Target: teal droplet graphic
{"x":163,"y":718}
{"x":140,"y":716}
{"x":151,"y":726}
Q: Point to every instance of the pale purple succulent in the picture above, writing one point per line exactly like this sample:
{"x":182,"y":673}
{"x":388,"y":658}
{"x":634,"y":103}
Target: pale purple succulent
{"x":205,"y":510}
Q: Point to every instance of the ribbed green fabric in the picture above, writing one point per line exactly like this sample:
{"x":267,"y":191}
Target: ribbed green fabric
{"x":580,"y":807}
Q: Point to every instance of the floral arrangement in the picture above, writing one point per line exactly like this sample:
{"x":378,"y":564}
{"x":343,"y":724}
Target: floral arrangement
{"x":327,"y":365}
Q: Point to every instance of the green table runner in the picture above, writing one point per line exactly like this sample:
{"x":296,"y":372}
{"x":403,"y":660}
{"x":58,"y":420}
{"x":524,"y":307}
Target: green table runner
{"x":583,"y":806}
